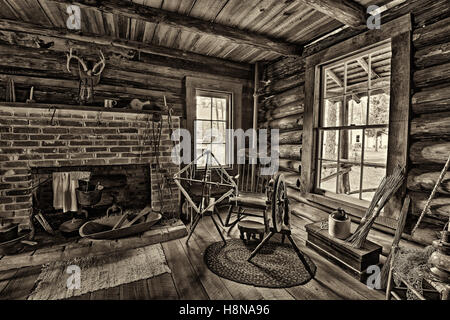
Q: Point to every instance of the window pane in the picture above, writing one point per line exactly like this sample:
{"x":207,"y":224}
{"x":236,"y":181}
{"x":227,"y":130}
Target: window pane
{"x":202,"y":131}
{"x":330,"y":144}
{"x":332,"y":112}
{"x":203,"y":108}
{"x":379,"y":107}
{"x":200,"y":148}
{"x":364,"y":103}
{"x":375,"y":149}
{"x":219,"y":151}
{"x":356,"y":109}
{"x":381,"y":68}
{"x":351,"y":146}
{"x":349,"y":179}
{"x":219,"y":111}
{"x":371,"y":180}
{"x":218,"y":132}
{"x":334,"y":81}
{"x":328,"y":176}
{"x":357,"y":75}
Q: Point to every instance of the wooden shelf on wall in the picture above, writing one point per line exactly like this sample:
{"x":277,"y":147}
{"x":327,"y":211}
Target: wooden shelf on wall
{"x":75,"y":108}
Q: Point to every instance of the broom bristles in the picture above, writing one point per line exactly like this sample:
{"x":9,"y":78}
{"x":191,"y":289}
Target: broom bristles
{"x":388,"y":186}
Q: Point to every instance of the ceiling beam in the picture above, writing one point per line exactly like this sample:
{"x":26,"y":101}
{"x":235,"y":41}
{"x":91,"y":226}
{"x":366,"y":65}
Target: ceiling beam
{"x":348,"y":12}
{"x":120,"y":44}
{"x":153,"y":15}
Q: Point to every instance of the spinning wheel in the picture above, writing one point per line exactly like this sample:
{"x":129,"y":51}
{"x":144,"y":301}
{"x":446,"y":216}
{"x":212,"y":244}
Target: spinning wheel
{"x":280,"y":204}
{"x":279,"y":210}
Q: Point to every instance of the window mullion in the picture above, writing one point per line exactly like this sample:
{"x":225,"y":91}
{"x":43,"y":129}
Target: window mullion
{"x":338,"y":166}
{"x":361,"y":178}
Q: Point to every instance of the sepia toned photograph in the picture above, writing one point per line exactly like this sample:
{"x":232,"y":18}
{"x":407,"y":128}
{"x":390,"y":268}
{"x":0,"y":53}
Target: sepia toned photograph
{"x":224,"y":157}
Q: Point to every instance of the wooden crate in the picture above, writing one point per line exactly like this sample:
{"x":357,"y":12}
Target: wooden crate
{"x":352,"y":260}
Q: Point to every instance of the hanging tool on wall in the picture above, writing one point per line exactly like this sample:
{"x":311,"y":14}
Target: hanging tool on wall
{"x":167,"y":208}
{"x":433,"y":193}
{"x":10,"y":90}
{"x":31,"y":100}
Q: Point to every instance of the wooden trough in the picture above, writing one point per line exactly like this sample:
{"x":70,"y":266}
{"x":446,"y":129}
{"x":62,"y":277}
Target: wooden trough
{"x":102,"y":229}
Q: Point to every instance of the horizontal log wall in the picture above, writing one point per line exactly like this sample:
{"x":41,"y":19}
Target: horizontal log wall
{"x":128,"y":74}
{"x":282,"y":108}
{"x":430,"y":124}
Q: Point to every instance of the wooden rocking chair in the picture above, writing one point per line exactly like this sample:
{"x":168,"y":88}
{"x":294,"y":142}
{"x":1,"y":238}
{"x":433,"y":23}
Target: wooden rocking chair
{"x":251,"y":199}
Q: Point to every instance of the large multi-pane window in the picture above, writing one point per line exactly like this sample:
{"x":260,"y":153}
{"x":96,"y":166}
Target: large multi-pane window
{"x":353,"y":126}
{"x":212,"y":118}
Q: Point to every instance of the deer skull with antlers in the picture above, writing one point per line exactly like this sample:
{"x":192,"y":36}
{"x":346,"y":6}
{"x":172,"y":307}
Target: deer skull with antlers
{"x":88,"y":77}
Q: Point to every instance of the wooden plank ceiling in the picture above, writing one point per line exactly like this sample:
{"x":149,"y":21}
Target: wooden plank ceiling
{"x":290,"y":21}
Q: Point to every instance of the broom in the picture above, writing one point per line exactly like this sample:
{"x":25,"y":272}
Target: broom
{"x":388,"y":186}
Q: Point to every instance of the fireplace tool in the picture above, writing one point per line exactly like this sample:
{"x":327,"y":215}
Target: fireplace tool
{"x":206,"y":202}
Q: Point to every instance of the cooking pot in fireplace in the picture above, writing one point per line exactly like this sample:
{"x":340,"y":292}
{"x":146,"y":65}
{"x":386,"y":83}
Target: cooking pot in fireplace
{"x":89,"y":195}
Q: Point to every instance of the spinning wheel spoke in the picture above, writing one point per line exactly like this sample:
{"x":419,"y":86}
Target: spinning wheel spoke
{"x":277,"y":195}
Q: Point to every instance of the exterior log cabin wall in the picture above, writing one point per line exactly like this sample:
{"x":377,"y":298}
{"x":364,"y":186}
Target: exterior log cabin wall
{"x":282,"y":106}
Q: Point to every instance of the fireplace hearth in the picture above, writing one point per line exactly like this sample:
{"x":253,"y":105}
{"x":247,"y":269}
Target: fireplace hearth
{"x":127,"y":185}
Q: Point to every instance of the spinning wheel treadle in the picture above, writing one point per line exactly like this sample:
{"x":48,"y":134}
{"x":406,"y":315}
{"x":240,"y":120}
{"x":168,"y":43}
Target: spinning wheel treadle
{"x":279,"y":205}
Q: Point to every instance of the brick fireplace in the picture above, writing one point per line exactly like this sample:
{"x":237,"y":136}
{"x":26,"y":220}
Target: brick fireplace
{"x":37,"y":140}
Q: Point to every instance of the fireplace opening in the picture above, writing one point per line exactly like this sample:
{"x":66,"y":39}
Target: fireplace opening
{"x":129,"y":186}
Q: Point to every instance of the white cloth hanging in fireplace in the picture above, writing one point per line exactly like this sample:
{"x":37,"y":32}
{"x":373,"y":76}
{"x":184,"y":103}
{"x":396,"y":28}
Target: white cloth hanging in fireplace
{"x":64,"y":186}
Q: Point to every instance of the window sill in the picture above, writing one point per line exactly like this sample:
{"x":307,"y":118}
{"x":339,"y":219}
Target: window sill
{"x":353,"y":209}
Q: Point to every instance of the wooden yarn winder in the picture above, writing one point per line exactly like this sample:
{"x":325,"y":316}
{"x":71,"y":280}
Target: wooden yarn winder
{"x":206,"y":206}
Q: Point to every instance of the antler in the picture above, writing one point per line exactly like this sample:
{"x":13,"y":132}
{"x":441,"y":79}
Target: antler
{"x":101,"y":63}
{"x":71,"y":56}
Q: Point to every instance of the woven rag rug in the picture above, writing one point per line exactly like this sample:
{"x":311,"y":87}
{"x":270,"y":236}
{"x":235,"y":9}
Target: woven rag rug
{"x":275,"y":266}
{"x":99,"y":272}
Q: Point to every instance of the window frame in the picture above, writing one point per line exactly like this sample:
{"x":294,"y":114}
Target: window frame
{"x":228,"y":121}
{"x":340,"y":128}
{"x":194,"y":84}
{"x":399,"y":33}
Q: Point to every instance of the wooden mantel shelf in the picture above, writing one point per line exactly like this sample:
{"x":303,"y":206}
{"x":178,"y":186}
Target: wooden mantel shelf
{"x":75,"y":108}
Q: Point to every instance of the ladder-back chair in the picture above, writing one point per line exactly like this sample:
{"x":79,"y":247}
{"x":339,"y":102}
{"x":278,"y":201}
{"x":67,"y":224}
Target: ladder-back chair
{"x":251,"y":198}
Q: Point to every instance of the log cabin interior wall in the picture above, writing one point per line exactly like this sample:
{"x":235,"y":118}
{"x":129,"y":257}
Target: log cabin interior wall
{"x":282,"y":107}
{"x":151,"y":51}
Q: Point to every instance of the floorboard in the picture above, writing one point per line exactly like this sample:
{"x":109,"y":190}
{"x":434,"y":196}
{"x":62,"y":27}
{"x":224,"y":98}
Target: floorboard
{"x":186,"y":281}
{"x":137,"y":290}
{"x":191,"y":279}
{"x":106,"y":294}
{"x":21,"y":285}
{"x":162,"y":287}
{"x":213,"y":285}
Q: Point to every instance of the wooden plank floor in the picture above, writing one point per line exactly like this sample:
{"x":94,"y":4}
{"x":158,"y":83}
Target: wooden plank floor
{"x":191,"y":279}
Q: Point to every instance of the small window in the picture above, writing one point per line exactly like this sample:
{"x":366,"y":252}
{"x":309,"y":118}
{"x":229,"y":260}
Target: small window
{"x":212,"y":119}
{"x":353,"y":124}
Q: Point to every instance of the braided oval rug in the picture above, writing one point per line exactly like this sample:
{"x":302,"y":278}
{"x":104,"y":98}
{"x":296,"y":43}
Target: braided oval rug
{"x":275,"y":266}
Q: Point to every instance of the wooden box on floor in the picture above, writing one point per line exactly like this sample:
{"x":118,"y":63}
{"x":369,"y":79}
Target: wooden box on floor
{"x":352,"y":260}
